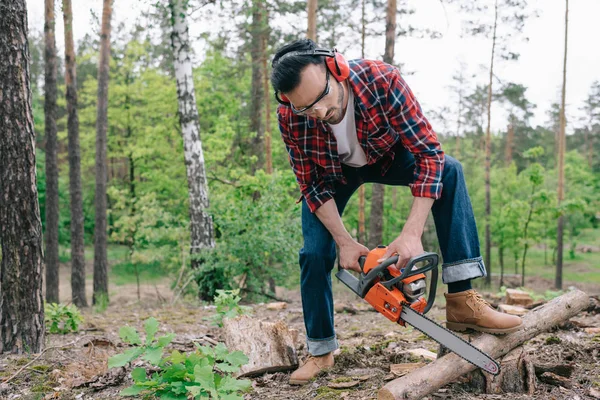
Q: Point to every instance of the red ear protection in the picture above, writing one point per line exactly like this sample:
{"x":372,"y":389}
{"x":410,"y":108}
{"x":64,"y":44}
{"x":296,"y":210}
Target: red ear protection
{"x":336,"y":64}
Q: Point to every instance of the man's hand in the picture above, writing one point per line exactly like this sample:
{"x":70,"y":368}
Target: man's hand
{"x":350,"y":252}
{"x":406,"y":246}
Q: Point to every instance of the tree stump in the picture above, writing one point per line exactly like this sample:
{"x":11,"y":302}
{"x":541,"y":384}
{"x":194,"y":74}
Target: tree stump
{"x":517,"y":374}
{"x":270,"y":347}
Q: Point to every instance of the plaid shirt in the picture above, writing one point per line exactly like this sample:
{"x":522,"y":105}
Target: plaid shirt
{"x":386,"y":112}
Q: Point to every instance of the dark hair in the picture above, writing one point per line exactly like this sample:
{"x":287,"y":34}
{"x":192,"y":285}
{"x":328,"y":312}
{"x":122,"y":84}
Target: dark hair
{"x":285,"y":76}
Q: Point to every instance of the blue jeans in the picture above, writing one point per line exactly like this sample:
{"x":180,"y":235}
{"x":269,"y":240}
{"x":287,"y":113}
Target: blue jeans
{"x":455,"y":227}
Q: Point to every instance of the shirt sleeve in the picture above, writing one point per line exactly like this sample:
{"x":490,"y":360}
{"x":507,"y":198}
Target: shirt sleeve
{"x":312,"y":185}
{"x":417,"y":135}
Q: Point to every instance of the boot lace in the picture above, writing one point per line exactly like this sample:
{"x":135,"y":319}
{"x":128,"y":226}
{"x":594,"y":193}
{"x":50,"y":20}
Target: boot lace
{"x":478,"y":300}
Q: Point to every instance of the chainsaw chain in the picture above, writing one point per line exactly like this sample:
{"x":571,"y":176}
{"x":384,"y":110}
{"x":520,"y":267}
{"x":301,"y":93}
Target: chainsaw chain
{"x":458,"y":337}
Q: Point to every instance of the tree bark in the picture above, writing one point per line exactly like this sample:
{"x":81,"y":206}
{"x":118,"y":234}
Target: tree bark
{"x":448,"y":368}
{"x":52,"y":213}
{"x":100,"y":227}
{"x":562,"y":144}
{"x":21,"y":305}
{"x":267,"y":101}
{"x":270,"y":347}
{"x":257,"y":54}
{"x":201,"y":224}
{"x":488,"y":160}
{"x":77,"y":240}
{"x":378,"y":196}
{"x":311,"y":31}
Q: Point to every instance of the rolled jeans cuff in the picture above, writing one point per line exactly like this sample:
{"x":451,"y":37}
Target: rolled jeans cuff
{"x":319,"y":347}
{"x":464,"y":269}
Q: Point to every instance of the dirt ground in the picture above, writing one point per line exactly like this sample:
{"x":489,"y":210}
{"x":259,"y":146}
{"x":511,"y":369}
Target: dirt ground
{"x":74,"y":366}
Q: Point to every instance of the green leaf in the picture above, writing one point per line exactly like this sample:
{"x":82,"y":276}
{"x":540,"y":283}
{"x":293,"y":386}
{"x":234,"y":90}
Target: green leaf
{"x":226,"y":367}
{"x":174,"y":372}
{"x":205,"y":377}
{"x":151,"y":327}
{"x":129,"y":335}
{"x":139,"y":374}
{"x":166,"y":339}
{"x":153,"y":355}
{"x":233,"y":385}
{"x":121,"y":360}
{"x":236,"y":358}
{"x":132,"y":391}
{"x":177,"y":357}
{"x":221,"y":351}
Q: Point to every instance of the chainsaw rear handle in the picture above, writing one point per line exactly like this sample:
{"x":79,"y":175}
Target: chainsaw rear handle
{"x":431,"y":262}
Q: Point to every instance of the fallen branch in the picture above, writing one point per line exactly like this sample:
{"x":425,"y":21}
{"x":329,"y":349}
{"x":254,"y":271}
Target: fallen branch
{"x":449,"y":368}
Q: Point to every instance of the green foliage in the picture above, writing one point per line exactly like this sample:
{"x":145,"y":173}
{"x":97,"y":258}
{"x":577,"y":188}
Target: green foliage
{"x":62,"y":318}
{"x":207,"y":373}
{"x":227,"y":303}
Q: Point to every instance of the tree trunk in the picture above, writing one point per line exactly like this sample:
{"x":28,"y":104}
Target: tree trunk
{"x":562,"y":144}
{"x":311,"y":9}
{"x":270,"y":347}
{"x":446,"y":369}
{"x":201,"y":225}
{"x":510,"y":136}
{"x":100,"y":228}
{"x":52,"y":213}
{"x":77,"y":242}
{"x":267,"y":100}
{"x":488,"y":159}
{"x":21,"y":304}
{"x":362,"y":234}
{"x":258,"y":94}
{"x":376,"y":217}
{"x":378,"y":196}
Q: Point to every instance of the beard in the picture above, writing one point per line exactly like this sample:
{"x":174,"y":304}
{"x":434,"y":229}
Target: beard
{"x":337,"y":113}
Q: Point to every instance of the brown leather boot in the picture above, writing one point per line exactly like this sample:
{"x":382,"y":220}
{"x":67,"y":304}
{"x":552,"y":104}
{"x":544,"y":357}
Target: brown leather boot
{"x":468,"y":309}
{"x":313,"y":366}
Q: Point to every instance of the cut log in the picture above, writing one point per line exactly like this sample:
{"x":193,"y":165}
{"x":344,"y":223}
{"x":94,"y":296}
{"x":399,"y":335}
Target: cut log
{"x":270,"y":347}
{"x":449,"y":368}
{"x":512,"y":310}
{"x":565,"y":370}
{"x":518,"y":298}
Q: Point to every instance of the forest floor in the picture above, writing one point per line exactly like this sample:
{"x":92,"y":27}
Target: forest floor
{"x":74,"y":366}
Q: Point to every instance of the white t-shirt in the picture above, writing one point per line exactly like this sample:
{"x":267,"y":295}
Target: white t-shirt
{"x":349,"y":149}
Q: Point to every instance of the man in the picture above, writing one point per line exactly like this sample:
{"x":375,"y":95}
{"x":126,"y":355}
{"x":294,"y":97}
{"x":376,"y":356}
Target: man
{"x":345,"y":123}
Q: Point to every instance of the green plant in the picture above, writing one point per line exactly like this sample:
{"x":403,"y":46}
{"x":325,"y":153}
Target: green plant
{"x":227,"y":302}
{"x":204,"y":374}
{"x":61,"y":318}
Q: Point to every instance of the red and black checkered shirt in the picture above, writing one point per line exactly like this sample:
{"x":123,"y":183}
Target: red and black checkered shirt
{"x":386,"y":112}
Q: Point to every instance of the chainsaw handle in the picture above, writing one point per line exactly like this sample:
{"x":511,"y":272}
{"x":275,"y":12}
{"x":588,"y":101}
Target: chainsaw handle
{"x":431,"y":260}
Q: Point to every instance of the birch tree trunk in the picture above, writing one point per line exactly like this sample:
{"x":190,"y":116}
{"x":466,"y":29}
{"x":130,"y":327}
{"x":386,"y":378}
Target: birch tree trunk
{"x":77,"y":243}
{"x":21,"y":305}
{"x":52,"y":295}
{"x":562,"y":144}
{"x":201,"y":225}
{"x":100,"y":227}
{"x":488,"y":157}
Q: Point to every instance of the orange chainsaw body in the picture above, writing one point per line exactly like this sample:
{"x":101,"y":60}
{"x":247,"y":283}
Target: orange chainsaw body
{"x":390,"y":302}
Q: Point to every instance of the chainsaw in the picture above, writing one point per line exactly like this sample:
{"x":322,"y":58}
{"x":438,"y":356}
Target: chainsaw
{"x":400,"y":297}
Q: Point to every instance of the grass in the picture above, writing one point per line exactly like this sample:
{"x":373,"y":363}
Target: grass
{"x":124,"y":273}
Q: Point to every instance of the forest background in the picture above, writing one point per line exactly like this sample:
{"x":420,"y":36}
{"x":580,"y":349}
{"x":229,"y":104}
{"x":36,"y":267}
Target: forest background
{"x":253,"y":206}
